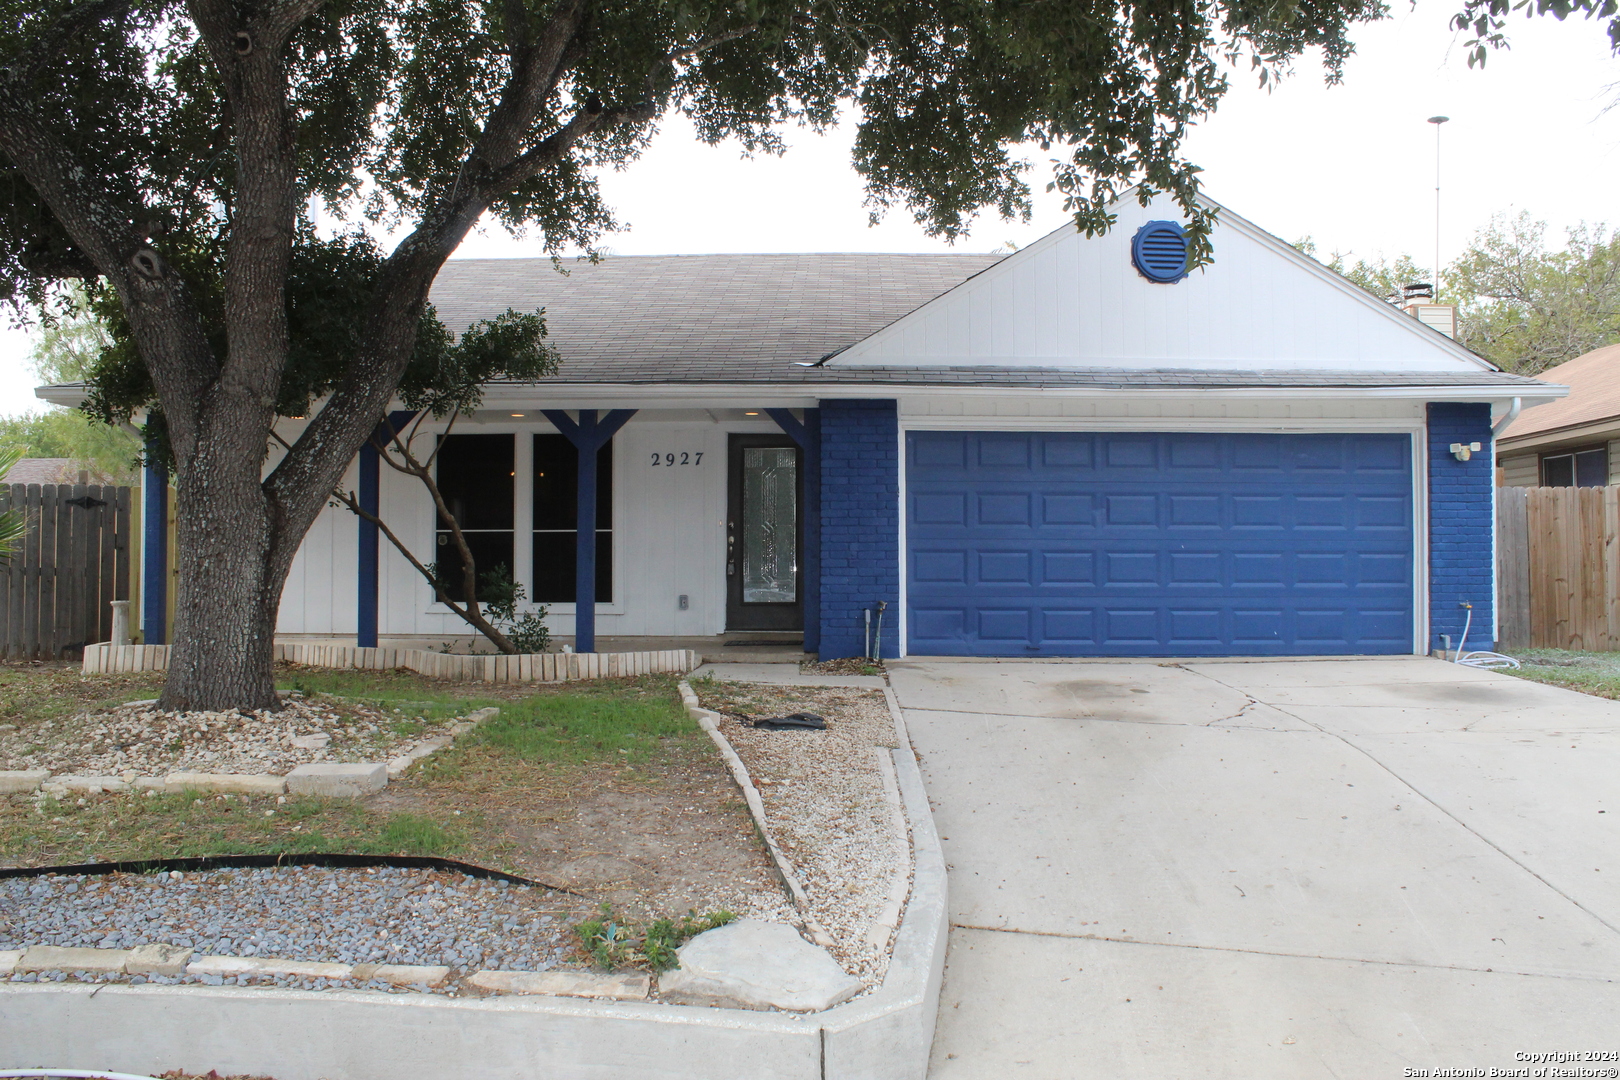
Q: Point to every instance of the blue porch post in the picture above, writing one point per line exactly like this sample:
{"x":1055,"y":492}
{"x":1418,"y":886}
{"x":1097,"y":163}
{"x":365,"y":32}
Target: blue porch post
{"x":369,"y":552}
{"x":808,"y":436}
{"x":154,"y":550}
{"x":588,"y":436}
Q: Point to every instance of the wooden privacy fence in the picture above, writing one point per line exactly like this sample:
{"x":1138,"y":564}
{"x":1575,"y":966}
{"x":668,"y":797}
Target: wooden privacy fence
{"x":1558,"y":568}
{"x":55,"y":593}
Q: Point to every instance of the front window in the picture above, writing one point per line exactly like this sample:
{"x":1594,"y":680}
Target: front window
{"x":556,"y":518}
{"x":476,"y":476}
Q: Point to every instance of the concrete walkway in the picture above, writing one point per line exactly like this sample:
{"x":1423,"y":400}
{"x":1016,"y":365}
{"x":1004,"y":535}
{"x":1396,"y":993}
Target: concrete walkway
{"x":1300,"y":869}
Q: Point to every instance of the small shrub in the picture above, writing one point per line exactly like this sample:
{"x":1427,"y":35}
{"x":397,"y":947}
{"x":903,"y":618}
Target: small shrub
{"x":612,"y":946}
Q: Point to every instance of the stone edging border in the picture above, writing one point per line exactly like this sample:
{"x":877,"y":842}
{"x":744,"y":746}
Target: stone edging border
{"x":341,"y":780}
{"x":171,"y":961}
{"x":885,"y":1034}
{"x":709,"y":721}
{"x":106,"y":658}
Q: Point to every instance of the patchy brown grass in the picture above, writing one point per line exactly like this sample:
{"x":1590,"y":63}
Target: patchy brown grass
{"x":605,"y":788}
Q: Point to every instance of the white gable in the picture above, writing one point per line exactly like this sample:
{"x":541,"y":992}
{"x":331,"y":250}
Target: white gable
{"x":1070,"y":301}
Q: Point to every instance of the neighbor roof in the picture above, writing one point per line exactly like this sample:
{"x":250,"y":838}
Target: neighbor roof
{"x":1594,"y":395}
{"x":42,"y":470}
{"x":728,"y":317}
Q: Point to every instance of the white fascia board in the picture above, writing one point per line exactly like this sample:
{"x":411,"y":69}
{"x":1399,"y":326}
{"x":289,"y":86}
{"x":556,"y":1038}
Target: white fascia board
{"x":605,"y":396}
{"x":654,"y":396}
{"x":68,"y":395}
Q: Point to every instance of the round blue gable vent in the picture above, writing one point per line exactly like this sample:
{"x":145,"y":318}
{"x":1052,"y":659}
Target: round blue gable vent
{"x":1159,"y":252}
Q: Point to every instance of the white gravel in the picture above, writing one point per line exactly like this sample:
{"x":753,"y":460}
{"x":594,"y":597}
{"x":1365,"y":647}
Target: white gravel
{"x":382,"y":915}
{"x":140,"y":739}
{"x":824,"y":803}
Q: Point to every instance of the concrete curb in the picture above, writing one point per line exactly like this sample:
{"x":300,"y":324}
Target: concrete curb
{"x":359,"y":1035}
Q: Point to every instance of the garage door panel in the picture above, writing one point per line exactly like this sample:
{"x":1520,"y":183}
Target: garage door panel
{"x":1198,"y":568}
{"x":1068,"y":626}
{"x":1067,"y":510}
{"x":1158,"y":544}
{"x":1195,"y":511}
{"x":1004,"y":451}
{"x":1067,"y":451}
{"x":1068,"y":568}
{"x":1004,"y":625}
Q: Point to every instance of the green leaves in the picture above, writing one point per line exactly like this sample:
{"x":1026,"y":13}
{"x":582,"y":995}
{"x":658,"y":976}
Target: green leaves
{"x":13,"y":523}
{"x":1526,"y":307}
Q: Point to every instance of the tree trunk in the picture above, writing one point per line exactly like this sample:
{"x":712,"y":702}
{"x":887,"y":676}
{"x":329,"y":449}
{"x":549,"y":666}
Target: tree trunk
{"x":232,"y":561}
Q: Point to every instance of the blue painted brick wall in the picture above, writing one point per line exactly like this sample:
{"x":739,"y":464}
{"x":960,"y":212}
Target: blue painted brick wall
{"x":860,"y":523}
{"x":1460,"y":524}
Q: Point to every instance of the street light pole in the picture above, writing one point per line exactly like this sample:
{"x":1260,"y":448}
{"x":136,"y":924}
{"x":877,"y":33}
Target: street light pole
{"x":1437,"y":121}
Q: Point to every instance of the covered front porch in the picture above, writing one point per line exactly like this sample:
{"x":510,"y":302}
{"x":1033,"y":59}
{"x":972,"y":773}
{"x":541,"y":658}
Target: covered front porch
{"x":635,"y":526}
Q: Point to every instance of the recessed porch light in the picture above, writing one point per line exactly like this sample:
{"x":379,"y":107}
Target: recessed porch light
{"x":750,"y":414}
{"x":520,"y":414}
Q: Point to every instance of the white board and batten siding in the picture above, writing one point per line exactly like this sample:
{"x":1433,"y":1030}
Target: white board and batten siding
{"x":669,"y":540}
{"x":1072,"y":301}
{"x":319,"y":597}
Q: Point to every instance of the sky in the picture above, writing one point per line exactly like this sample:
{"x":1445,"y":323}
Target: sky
{"x":1352,"y":166}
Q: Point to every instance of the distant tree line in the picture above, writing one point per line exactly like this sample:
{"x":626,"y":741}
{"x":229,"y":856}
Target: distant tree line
{"x":1522,"y":304}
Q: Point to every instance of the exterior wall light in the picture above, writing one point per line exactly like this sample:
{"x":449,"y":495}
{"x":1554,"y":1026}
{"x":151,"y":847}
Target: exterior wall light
{"x":1464,"y":451}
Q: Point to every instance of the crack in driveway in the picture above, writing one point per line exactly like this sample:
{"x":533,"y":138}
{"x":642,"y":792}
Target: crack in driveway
{"x":1281,"y":953}
{"x":1414,"y":789}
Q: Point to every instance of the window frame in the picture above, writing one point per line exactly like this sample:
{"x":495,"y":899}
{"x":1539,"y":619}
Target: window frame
{"x":523,"y":514}
{"x":1573,"y":454}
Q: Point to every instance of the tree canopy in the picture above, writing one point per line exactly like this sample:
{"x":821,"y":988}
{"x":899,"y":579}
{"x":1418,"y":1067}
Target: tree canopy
{"x":211,"y":171}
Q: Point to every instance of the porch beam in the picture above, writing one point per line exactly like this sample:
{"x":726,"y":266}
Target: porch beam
{"x":588,"y":435}
{"x":154,"y":549}
{"x":369,"y":553}
{"x":808,"y":435}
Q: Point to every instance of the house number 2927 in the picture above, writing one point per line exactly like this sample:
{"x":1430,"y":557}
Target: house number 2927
{"x":682,"y":457}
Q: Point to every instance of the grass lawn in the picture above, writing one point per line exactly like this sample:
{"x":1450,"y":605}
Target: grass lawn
{"x":1596,"y":673}
{"x":575,"y":781}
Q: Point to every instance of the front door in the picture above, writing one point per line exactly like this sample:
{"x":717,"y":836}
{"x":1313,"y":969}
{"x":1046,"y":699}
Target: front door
{"x":764,"y":531}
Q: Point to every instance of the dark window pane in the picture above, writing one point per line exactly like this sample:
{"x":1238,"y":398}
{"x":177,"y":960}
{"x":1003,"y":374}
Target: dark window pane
{"x":475,"y":475}
{"x":556,"y":484}
{"x":1592,"y":468}
{"x":1558,"y":471}
{"x":489,"y":550}
{"x":554,"y":564}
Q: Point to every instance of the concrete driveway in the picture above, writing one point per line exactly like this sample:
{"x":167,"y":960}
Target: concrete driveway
{"x":1345,"y":868}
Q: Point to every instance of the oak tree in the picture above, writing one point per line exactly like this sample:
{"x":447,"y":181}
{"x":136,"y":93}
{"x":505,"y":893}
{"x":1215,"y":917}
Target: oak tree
{"x":186,"y":160}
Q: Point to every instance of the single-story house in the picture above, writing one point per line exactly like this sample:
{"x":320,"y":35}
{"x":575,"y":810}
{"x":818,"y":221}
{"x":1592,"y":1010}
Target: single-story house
{"x":1078,"y":449}
{"x":1570,"y":443}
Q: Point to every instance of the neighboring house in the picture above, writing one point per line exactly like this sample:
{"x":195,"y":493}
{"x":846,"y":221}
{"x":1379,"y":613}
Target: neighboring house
{"x":1570,"y":443}
{"x":1074,"y":450}
{"x":44,"y":470}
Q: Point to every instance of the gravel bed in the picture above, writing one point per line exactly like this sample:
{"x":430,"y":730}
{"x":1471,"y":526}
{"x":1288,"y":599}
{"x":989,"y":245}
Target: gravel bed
{"x":137,"y":738}
{"x":382,"y":915}
{"x":824,"y":803}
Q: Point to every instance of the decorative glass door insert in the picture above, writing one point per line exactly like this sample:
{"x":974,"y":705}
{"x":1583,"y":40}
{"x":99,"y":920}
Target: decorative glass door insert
{"x":770,"y":525}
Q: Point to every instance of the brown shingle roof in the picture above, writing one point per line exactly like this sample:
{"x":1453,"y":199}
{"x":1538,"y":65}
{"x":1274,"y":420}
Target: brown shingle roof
{"x":42,"y":470}
{"x":679,"y":317}
{"x":1594,"y":395}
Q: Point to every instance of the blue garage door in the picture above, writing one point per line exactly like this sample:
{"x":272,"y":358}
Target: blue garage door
{"x":1158,"y":544}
